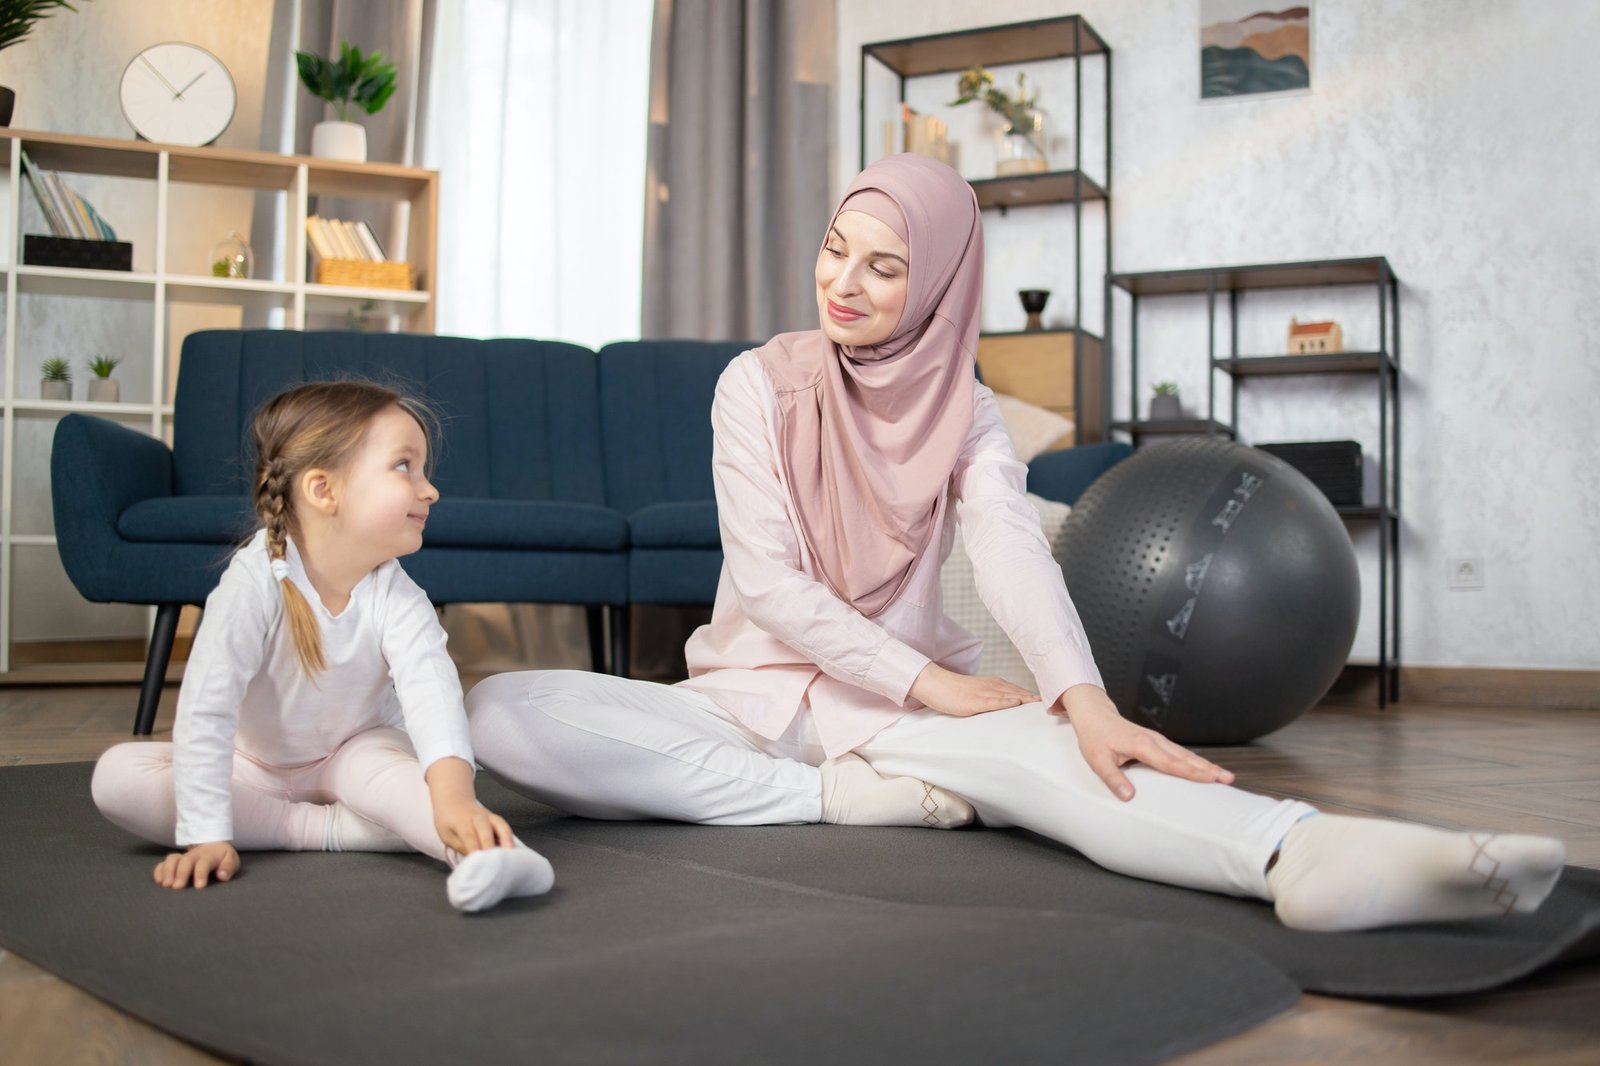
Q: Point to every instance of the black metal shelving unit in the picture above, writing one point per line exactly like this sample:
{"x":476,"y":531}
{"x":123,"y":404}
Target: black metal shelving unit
{"x":1382,"y":364}
{"x":1065,"y":38}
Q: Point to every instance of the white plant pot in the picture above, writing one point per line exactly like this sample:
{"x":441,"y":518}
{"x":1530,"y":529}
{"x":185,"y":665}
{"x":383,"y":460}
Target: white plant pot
{"x":345,"y":141}
{"x":55,"y":390}
{"x":104,"y":390}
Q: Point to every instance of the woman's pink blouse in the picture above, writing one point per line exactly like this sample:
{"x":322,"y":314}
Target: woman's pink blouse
{"x":779,"y":638}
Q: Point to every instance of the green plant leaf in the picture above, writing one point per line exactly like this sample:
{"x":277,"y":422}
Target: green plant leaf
{"x":351,"y":80}
{"x":17,"y":17}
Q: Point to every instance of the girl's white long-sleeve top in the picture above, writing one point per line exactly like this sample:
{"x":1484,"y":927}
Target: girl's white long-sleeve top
{"x":779,"y":638}
{"x":243,"y":687}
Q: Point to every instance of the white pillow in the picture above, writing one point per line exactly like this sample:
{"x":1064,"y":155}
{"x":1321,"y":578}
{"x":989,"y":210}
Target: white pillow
{"x":1034,"y":430}
{"x":1000,"y":658}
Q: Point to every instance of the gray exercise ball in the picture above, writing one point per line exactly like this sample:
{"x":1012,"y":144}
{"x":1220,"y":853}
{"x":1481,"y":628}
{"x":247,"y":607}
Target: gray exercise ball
{"x":1218,"y":587}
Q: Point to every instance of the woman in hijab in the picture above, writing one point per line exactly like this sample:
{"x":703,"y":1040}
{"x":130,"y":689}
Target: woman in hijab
{"x":829,"y":685}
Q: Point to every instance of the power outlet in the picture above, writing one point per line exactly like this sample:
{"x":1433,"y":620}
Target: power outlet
{"x":1466,"y":572}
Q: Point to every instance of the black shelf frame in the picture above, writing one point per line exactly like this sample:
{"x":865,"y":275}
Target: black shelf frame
{"x":1068,"y":37}
{"x":1383,"y":364}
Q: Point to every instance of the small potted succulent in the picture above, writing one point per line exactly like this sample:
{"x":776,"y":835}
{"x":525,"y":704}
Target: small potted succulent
{"x":55,"y":379}
{"x":16,"y":22}
{"x":1164,"y":404}
{"x":351,"y":81}
{"x":103,"y":388}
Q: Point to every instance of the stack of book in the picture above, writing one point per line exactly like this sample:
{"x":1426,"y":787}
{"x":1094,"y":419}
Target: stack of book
{"x":348,"y":253}
{"x":78,"y":237}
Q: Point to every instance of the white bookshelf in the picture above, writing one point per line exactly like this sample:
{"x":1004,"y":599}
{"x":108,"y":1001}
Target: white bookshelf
{"x":167,"y":284}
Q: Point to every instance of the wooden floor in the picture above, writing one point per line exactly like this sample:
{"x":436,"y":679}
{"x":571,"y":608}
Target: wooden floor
{"x":1525,"y":769}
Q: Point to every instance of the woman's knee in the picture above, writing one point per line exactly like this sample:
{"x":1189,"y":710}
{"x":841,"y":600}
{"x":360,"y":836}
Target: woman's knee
{"x":514,"y":704}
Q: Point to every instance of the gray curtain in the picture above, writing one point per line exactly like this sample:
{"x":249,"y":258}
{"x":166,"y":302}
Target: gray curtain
{"x":740,"y":156}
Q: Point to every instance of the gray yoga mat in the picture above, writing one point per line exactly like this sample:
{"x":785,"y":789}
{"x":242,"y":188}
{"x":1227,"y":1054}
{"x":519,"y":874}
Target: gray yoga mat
{"x":669,"y":943}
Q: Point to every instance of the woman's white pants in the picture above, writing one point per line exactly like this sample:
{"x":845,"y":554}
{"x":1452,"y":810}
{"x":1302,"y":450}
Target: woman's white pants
{"x":614,"y":748}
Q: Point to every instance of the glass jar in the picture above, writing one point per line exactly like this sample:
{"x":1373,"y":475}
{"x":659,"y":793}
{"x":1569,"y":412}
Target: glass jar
{"x":232,"y":258}
{"x":1021,"y":147}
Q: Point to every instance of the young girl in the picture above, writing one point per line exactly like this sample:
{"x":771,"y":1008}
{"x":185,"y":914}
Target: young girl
{"x":319,"y":710}
{"x":829,"y":685}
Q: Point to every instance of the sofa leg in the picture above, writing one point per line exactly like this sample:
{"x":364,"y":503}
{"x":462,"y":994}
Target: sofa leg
{"x":597,"y":638}
{"x":620,"y":634}
{"x":155,"y":667}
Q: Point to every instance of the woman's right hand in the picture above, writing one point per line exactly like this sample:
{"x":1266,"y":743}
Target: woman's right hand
{"x":962,"y":696}
{"x":198,"y":864}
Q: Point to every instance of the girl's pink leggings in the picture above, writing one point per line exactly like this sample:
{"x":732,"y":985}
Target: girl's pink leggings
{"x":276,"y":808}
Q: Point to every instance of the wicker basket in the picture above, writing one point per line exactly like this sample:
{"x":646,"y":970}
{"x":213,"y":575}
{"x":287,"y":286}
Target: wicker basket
{"x":361,"y":274}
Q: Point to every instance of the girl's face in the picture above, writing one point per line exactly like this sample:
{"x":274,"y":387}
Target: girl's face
{"x":385,"y":494}
{"x":863,"y":275}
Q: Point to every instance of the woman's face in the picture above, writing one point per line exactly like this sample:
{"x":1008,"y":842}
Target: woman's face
{"x":862,"y":279}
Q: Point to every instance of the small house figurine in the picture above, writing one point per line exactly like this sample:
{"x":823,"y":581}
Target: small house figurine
{"x":1314,"y":338}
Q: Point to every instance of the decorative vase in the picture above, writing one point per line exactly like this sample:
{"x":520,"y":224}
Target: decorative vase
{"x":232,"y":258}
{"x":55,"y":390}
{"x":1033,"y":301}
{"x":104,"y":390}
{"x":8,"y":102}
{"x":1164,"y":408}
{"x":1021,"y":147}
{"x":346,"y":141}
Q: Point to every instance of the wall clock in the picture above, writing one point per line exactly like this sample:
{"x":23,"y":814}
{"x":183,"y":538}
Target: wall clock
{"x":178,"y":93}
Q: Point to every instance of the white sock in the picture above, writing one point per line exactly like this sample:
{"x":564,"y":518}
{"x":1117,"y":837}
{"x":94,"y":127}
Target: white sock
{"x":345,"y":830}
{"x":1337,"y":874}
{"x":486,"y":877}
{"x":853,"y":793}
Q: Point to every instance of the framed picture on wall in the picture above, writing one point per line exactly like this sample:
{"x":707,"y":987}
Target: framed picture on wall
{"x":1248,"y":48}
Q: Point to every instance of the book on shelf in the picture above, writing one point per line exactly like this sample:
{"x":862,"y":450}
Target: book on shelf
{"x":66,"y":212}
{"x":369,"y":242}
{"x":333,"y":238}
{"x":52,"y":215}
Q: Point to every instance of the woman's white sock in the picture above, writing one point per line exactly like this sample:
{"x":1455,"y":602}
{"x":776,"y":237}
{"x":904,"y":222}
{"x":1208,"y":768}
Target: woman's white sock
{"x":345,"y":830}
{"x":1337,"y":874}
{"x":487,"y":876}
{"x":853,"y":793}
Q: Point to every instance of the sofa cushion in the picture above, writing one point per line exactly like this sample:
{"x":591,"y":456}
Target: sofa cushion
{"x":688,"y":524}
{"x":655,"y":416}
{"x":513,"y":524}
{"x":504,"y":524}
{"x":188,"y":520}
{"x":519,"y":418}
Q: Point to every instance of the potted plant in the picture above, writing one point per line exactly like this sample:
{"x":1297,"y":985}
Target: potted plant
{"x":1165,"y":403}
{"x":103,"y":388}
{"x":55,"y":379}
{"x":351,"y":81}
{"x":1021,"y":148}
{"x":16,"y":22}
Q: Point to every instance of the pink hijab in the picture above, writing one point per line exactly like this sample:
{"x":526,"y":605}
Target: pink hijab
{"x":869,"y":436}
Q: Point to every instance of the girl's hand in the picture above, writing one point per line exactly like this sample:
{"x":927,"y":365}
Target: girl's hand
{"x":1108,"y":741}
{"x":962,"y":696}
{"x":462,"y":822}
{"x":469,"y":827}
{"x":198,"y":863}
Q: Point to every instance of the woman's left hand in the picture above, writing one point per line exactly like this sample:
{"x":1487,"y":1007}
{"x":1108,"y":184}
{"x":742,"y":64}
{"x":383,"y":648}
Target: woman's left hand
{"x":1109,"y":741}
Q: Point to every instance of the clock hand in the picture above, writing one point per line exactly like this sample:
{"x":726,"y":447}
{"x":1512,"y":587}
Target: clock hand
{"x":192,"y":80}
{"x":158,"y":74}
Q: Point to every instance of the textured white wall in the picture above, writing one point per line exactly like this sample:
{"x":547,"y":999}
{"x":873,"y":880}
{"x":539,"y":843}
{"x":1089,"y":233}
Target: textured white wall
{"x":1458,"y":140}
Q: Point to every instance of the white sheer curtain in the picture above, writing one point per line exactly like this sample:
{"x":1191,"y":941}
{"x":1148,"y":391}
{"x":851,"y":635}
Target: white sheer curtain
{"x":537,"y":120}
{"x":536,"y":117}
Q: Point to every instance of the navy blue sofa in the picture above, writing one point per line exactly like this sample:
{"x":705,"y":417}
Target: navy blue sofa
{"x":566,"y":476}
